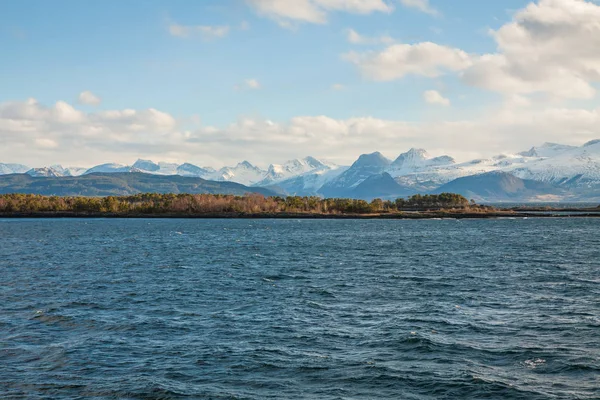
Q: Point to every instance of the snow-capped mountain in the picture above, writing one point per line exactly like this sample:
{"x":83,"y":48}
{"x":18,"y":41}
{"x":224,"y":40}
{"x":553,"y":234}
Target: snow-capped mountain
{"x":6,"y":169}
{"x":417,"y":160}
{"x":150,"y":167}
{"x":244,"y":173}
{"x":110,"y":168}
{"x":188,"y":169}
{"x":44,"y":172}
{"x":547,"y":150}
{"x":366,"y":166}
{"x":146,"y":165}
{"x":572,"y":171}
{"x":68,"y":171}
{"x":280,"y":172}
{"x":578,"y":166}
{"x":308,"y":184}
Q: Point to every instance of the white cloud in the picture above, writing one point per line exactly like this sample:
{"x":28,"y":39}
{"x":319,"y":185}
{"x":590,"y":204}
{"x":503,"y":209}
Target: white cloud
{"x":46,"y":143}
{"x":89,"y":98}
{"x":338,"y":86}
{"x":356,"y":38}
{"x":38,"y":135}
{"x":252,"y":84}
{"x":314,"y":11}
{"x":426,"y":59}
{"x":550,"y":47}
{"x":207,"y":32}
{"x":435,"y":97}
{"x":249,"y":84}
{"x":421,"y":5}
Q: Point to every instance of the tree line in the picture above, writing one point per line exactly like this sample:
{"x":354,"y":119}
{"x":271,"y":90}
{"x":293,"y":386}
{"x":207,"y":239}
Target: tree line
{"x":154,"y":203}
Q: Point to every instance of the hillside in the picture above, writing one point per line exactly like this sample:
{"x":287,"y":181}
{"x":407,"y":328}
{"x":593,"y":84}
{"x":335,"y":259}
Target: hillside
{"x":501,"y":186}
{"x":119,"y":184}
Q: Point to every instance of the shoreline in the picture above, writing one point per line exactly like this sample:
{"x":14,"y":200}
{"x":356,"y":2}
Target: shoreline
{"x":394,"y":216}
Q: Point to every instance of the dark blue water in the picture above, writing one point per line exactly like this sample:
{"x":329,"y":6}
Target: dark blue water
{"x":286,"y":309}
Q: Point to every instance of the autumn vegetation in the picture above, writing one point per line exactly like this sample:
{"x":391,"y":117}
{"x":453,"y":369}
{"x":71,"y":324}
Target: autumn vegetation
{"x":201,"y":204}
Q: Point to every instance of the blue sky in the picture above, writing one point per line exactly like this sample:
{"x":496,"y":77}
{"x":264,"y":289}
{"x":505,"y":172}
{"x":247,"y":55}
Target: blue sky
{"x":212,"y":66}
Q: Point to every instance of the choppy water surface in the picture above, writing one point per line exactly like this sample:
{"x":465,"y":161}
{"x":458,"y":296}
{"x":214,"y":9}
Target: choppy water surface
{"x":277,"y":309}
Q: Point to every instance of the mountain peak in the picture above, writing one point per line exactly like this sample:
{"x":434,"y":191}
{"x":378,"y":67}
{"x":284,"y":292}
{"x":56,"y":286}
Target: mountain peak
{"x":591,"y":142}
{"x":547,"y":149}
{"x":373,"y":159}
{"x":146,"y":165}
{"x":411,"y":158}
{"x":245,"y":164}
{"x":313,"y":162}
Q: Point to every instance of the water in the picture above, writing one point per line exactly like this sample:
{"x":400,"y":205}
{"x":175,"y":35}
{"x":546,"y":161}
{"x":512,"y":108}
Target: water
{"x":286,"y":309}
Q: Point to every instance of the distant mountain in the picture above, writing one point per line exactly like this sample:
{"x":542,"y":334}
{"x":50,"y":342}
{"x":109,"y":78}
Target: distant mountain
{"x":381,"y":186}
{"x":150,"y":167}
{"x":307,"y":184}
{"x":577,"y":167}
{"x":244,"y":173}
{"x":146,"y":165}
{"x":416,"y":160}
{"x":278,"y":173}
{"x":6,"y":169}
{"x":110,"y":168}
{"x":44,"y":172}
{"x":192,"y":170}
{"x":68,"y":171}
{"x":366,"y":166}
{"x":501,"y":186}
{"x":547,"y":150}
{"x":117,"y":184}
{"x":574,"y":170}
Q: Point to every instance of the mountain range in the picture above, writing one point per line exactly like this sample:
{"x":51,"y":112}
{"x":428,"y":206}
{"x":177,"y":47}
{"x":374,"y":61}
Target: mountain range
{"x":550,"y":172}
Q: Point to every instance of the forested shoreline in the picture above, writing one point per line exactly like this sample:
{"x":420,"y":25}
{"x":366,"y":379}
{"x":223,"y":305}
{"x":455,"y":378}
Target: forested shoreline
{"x":251,"y":204}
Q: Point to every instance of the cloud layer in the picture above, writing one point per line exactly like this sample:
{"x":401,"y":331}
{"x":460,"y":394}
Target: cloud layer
{"x":551,"y":47}
{"x":314,"y":11}
{"x":40,"y":135}
{"x":435,"y":97}
{"x":89,"y":98}
{"x":206,"y":32}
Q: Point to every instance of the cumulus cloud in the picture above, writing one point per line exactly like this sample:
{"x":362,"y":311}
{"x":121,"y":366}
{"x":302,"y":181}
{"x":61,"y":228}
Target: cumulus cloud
{"x":396,"y":61}
{"x":550,"y":47}
{"x":206,"y":32}
{"x":356,"y":38}
{"x":46,"y":143}
{"x":89,"y":98}
{"x":38,"y":135}
{"x":314,"y":11}
{"x":338,"y":86}
{"x":421,"y":5}
{"x":435,"y":97}
{"x":249,"y":84}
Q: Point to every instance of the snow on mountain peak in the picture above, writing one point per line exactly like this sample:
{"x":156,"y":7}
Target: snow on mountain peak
{"x":6,"y":169}
{"x":44,"y":172}
{"x":411,"y":158}
{"x":244,"y":173}
{"x":297,"y":167}
{"x":146,"y":165}
{"x":373,"y":159}
{"x":546,"y":150}
{"x":592,"y":142}
{"x":416,"y":160}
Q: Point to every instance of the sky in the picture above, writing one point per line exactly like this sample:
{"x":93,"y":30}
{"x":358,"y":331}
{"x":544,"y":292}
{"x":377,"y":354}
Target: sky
{"x":215,"y":82}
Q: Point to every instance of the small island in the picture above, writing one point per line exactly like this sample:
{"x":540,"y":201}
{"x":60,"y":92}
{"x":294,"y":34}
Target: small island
{"x":155,"y":205}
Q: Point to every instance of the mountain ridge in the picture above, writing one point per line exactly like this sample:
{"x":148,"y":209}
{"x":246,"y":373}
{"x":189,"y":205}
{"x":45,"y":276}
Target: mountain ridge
{"x":574,"y":168}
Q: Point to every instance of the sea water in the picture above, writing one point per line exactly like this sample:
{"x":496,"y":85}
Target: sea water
{"x":299,"y":309}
